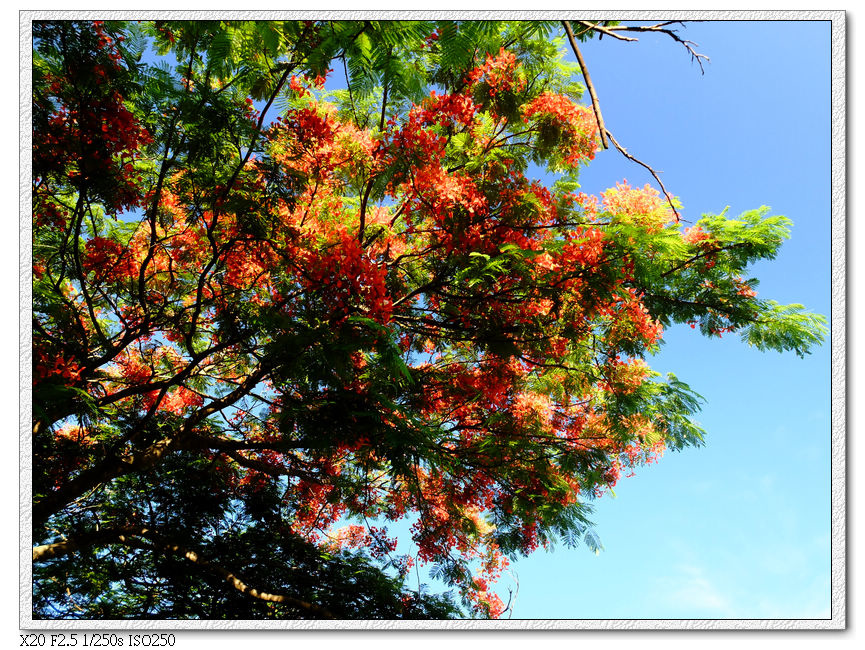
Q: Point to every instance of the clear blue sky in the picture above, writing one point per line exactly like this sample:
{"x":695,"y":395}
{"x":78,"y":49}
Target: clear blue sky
{"x":741,"y":527}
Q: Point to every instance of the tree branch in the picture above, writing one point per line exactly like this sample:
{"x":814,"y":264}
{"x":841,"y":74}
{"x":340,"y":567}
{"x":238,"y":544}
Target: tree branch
{"x":114,"y":466}
{"x":288,"y":70}
{"x":601,"y":29}
{"x":625,"y":153}
{"x":128,"y":535}
{"x":597,"y":106}
{"x":694,"y":258}
{"x":661,"y":28}
{"x":589,"y":86}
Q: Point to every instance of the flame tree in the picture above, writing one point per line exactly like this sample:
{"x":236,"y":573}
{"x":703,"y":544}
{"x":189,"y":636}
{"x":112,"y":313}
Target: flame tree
{"x":271,"y":319}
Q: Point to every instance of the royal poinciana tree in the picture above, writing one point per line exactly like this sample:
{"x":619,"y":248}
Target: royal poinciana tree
{"x":270,"y":320}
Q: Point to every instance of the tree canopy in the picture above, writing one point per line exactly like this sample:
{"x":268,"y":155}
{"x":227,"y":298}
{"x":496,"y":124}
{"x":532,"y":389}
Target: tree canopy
{"x":270,"y":317}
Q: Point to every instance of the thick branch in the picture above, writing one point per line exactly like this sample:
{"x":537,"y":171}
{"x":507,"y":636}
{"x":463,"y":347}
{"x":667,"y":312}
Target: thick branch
{"x":257,"y":465}
{"x":106,"y":470}
{"x":67,"y":546}
{"x":128,"y":536}
{"x":589,"y":86}
{"x":114,"y":466}
{"x":289,"y":67}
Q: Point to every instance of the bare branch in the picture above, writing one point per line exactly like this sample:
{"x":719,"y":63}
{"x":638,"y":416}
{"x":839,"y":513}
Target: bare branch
{"x":512,"y":595}
{"x":658,"y":28}
{"x":597,"y":107}
{"x":597,"y":27}
{"x":625,"y":153}
{"x":589,"y":86}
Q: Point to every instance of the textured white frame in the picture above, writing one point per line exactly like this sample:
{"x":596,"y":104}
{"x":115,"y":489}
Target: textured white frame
{"x":838,"y":333}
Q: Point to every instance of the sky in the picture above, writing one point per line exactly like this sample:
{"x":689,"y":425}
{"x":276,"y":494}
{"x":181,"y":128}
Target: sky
{"x":739,"y":528}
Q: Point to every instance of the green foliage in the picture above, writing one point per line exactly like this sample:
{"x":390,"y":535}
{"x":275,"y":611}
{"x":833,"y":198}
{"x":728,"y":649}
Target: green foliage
{"x":785,"y":327}
{"x":149,"y":580}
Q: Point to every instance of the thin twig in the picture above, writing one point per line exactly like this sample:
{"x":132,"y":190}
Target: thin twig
{"x":661,"y":28}
{"x":384,"y":93}
{"x":595,"y":103}
{"x":512,"y":595}
{"x":625,"y":153}
{"x":602,"y":30}
{"x":350,"y":94}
